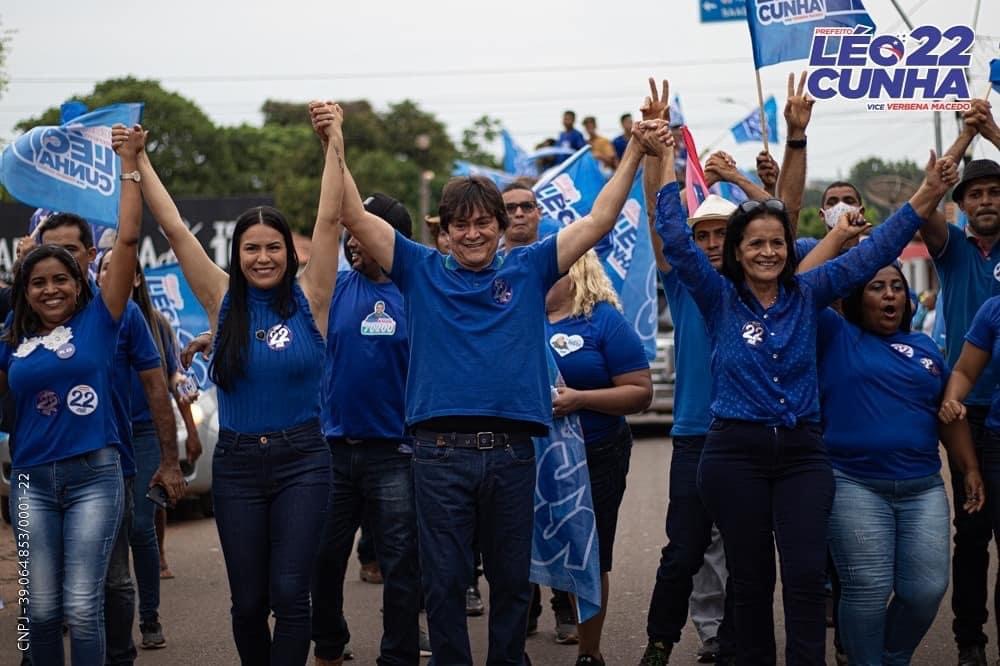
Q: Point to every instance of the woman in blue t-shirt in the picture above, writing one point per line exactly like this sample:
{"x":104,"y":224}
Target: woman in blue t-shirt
{"x":67,"y":494}
{"x":880,"y":388}
{"x":604,"y":366}
{"x":271,"y":467}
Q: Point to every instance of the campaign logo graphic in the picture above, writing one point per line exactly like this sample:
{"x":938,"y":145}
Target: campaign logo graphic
{"x":905,"y":350}
{"x":920,"y":70}
{"x":996,"y":272}
{"x":502,"y":292}
{"x":623,"y":238}
{"x":753,"y":333}
{"x":279,"y":337}
{"x":378,"y":322}
{"x":82,"y":400}
{"x":930,"y":366}
{"x":565,"y":345}
{"x":76,"y":155}
{"x":47,"y":403}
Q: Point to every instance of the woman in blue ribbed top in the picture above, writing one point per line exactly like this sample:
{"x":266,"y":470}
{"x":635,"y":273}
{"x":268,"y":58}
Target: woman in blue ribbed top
{"x":271,"y":470}
{"x":764,"y":473}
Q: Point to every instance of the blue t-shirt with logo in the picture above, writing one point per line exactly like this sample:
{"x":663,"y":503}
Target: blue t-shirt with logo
{"x":367,"y":351}
{"x":140,"y":406}
{"x":968,"y":278}
{"x":590,"y":352}
{"x":985,"y":334}
{"x":477,"y":345}
{"x":879,"y":397}
{"x":62,"y":386}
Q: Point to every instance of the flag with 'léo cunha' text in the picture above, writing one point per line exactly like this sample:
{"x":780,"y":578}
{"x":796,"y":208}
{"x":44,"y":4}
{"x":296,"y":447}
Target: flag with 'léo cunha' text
{"x":782,"y":30}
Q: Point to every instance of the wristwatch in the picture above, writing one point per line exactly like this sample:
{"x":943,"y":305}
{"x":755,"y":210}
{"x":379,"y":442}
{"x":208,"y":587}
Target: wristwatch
{"x":796,"y":143}
{"x":131,"y":175}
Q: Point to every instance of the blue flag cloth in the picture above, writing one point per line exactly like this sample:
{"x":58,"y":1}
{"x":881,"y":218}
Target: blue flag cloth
{"x":172,"y":296}
{"x":564,"y":549}
{"x":500,"y":178}
{"x":782,"y":30}
{"x":995,"y":74}
{"x":71,"y":167}
{"x":749,"y":128}
{"x":566,"y":193}
{"x":515,"y":159}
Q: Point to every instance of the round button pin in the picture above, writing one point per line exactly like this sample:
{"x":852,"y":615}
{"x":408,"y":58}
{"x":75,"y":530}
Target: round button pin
{"x":66,"y":351}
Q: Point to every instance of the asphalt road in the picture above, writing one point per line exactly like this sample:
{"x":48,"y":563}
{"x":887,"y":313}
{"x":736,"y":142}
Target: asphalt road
{"x":195,"y":605}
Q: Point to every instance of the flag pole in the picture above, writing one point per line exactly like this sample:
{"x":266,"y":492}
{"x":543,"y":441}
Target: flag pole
{"x":989,"y":87}
{"x":760,"y":108}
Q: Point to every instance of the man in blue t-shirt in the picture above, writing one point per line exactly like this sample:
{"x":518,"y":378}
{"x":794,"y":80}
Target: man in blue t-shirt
{"x":477,"y":390}
{"x":620,"y":141}
{"x":570,"y":138}
{"x":362,"y":411}
{"x":136,"y":349}
{"x":968,"y":266}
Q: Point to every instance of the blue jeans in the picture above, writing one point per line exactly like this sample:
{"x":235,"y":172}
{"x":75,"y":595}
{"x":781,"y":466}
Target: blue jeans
{"x":689,"y":535}
{"x":372,"y":483}
{"x":142,"y":536}
{"x":271,"y":493}
{"x":765,"y":485}
{"x":888,"y":539}
{"x":488,"y":494}
{"x":73,"y":508}
{"x":119,"y":594}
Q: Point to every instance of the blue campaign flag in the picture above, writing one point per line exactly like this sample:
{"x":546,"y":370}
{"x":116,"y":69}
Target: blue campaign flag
{"x":995,"y":74}
{"x":172,"y":296}
{"x":564,"y":549}
{"x":71,"y":167}
{"x":566,"y":193}
{"x":515,"y":159}
{"x":782,"y":30}
{"x":500,"y":178}
{"x":713,"y":11}
{"x":749,"y":128}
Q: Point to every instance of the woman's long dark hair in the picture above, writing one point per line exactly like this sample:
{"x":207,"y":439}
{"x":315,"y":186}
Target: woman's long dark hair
{"x":735,"y":230}
{"x":25,"y":321}
{"x":853,"y":309}
{"x":233,"y":337}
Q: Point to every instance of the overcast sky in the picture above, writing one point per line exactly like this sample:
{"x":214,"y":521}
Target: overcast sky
{"x":522,"y":62}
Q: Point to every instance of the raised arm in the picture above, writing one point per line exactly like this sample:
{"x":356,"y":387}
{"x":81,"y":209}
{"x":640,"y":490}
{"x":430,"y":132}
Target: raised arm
{"x":128,"y":143}
{"x":655,"y":107}
{"x":848,"y":227}
{"x":768,"y":172}
{"x":723,"y":168}
{"x":971,"y":363}
{"x":792,"y":180}
{"x":208,"y":282}
{"x":320,"y":274}
{"x":980,"y":116}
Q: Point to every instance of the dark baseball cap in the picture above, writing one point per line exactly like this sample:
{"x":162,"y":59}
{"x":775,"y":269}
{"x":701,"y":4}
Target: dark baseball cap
{"x":975,"y":170}
{"x":392,"y":211}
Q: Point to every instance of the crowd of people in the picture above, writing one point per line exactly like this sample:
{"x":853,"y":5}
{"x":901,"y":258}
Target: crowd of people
{"x":808,"y":411}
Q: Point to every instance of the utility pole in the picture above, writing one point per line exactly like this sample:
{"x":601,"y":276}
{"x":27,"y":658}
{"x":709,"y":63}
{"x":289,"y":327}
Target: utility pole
{"x":937,"y":114}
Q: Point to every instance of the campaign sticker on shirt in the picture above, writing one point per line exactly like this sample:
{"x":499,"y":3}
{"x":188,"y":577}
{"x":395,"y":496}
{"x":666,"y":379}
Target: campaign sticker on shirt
{"x":378,"y":322}
{"x":47,"y":403}
{"x":905,"y":350}
{"x":565,"y":344}
{"x":996,"y":272}
{"x":279,"y":337}
{"x":502,"y":292}
{"x":66,"y":351}
{"x":930,"y":366}
{"x":753,"y":333}
{"x":82,"y":400}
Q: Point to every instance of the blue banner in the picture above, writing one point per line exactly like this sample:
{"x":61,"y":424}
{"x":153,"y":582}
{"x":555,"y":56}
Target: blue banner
{"x":749,"y":128}
{"x":566,"y":193}
{"x":173,"y":297}
{"x":713,"y":11}
{"x":500,"y":178}
{"x":995,"y":74}
{"x":515,"y":159}
{"x":564,"y":549}
{"x":72,"y":167}
{"x":782,"y":30}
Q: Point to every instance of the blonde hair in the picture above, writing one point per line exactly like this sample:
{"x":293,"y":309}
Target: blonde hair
{"x":590,"y":285}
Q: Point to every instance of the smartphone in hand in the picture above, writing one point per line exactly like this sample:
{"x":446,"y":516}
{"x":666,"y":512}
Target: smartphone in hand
{"x":158,"y":495}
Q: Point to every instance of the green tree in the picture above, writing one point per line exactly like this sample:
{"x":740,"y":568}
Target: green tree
{"x":484,"y":131}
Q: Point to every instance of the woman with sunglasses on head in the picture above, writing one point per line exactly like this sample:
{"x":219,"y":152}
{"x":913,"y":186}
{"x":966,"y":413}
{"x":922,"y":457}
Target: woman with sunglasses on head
{"x":764,"y":473}
{"x":66,"y":474}
{"x":271,"y":467}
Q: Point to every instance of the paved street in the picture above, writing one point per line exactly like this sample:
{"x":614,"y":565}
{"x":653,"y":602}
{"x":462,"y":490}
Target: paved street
{"x":195,"y":606}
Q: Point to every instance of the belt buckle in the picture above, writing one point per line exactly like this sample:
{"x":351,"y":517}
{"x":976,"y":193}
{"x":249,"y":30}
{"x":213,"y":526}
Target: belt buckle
{"x":482,"y":438}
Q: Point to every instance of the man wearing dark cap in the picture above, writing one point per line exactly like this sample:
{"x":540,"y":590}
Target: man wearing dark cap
{"x":968,"y":266}
{"x":367,"y":352}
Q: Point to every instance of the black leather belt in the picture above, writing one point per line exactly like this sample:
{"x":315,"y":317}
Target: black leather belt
{"x":473,"y":440}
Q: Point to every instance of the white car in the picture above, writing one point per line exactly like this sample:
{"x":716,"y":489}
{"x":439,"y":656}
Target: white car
{"x":199,"y":476}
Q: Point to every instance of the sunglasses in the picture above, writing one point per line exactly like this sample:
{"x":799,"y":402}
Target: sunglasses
{"x":525,"y":206}
{"x":749,"y":207}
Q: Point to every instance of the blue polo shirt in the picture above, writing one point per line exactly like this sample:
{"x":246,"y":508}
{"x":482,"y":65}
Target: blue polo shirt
{"x":984,"y":333}
{"x":591,"y":352}
{"x":140,"y":406}
{"x":572,"y":139}
{"x":477,"y":345}
{"x":764,"y":359}
{"x":62,"y":385}
{"x":136,"y":352}
{"x":367,"y":351}
{"x":620,"y":143}
{"x":880,"y":397}
{"x":968,"y":278}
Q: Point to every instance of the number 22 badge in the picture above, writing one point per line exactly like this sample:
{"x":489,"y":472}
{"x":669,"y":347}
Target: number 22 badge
{"x":82,"y":400}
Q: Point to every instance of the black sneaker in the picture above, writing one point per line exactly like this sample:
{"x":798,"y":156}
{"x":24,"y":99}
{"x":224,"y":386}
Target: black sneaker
{"x":589,"y":660}
{"x":657,"y":654}
{"x":566,"y":627}
{"x":152,"y":636}
{"x":474,"y":606}
{"x":348,"y":653}
{"x":972,"y":655}
{"x":709,"y":651}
